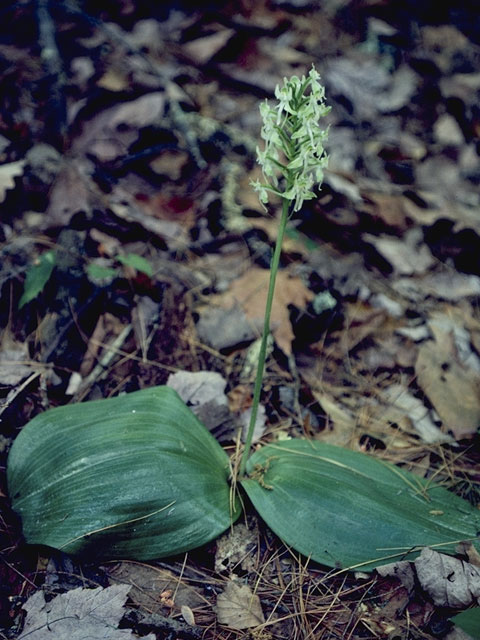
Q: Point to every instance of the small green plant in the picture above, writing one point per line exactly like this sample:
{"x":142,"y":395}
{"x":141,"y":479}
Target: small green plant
{"x":40,"y":272}
{"x":138,"y":476}
{"x":133,"y":260}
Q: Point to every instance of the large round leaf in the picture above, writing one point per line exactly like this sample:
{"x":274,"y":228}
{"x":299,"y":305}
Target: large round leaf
{"x":344,"y":508}
{"x":135,"y":476}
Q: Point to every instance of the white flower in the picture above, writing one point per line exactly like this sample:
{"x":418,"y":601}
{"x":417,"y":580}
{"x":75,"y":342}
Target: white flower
{"x":293,"y":149}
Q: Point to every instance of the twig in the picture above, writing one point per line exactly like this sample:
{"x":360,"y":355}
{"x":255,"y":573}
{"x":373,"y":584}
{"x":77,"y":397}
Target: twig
{"x":17,"y":390}
{"x":101,"y":369}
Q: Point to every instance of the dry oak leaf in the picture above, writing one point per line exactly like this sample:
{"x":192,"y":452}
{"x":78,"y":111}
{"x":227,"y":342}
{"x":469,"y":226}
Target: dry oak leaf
{"x":238,"y":608}
{"x":250,"y":294}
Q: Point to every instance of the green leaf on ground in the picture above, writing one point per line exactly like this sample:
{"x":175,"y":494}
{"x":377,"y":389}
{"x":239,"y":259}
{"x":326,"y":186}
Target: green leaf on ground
{"x":346,"y":509}
{"x":136,"y":476}
{"x":37,"y":277}
{"x":99,"y":272}
{"x":136,"y":262}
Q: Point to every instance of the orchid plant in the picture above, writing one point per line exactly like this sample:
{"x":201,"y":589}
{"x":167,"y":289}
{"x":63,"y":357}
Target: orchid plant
{"x":292,"y":161}
{"x":139,"y":476}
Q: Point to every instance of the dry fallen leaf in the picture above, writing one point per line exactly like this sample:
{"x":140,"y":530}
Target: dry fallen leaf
{"x":71,"y":192}
{"x":390,"y":208}
{"x":343,"y":422}
{"x":148,"y":583}
{"x":8,"y":173}
{"x":78,"y":614}
{"x":409,"y":255}
{"x":204,"y":392}
{"x":453,"y":389}
{"x":203,"y":49}
{"x":446,"y":285}
{"x":407,"y":405}
{"x":188,"y":615}
{"x":118,"y":126}
{"x":198,"y":387}
{"x":402,"y":570}
{"x":249,"y":292}
{"x":14,"y":359}
{"x":448,"y":581}
{"x":238,"y":608}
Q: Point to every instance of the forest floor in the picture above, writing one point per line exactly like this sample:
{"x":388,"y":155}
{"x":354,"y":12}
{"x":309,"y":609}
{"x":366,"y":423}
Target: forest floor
{"x":133,"y":248}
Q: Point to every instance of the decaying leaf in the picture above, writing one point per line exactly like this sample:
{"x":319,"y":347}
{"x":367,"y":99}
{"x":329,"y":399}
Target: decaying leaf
{"x":448,"y":581}
{"x":204,"y":393}
{"x":453,"y":390}
{"x":407,"y":256}
{"x":401,"y":570}
{"x":13,"y":361}
{"x":340,"y":418}
{"x":149,"y":582}
{"x":238,"y":607}
{"x":8,"y":173}
{"x":403,"y":403}
{"x":78,"y":614}
{"x":198,"y":387}
{"x":188,"y":615}
{"x":203,"y":49}
{"x":259,"y":428}
{"x":249,"y":293}
{"x":224,"y":328}
{"x":71,"y":192}
{"x":236,"y":548}
{"x":447,"y":285}
{"x":109,"y":132}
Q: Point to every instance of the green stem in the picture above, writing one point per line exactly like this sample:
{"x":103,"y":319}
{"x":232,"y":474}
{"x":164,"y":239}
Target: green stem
{"x":266,"y":330}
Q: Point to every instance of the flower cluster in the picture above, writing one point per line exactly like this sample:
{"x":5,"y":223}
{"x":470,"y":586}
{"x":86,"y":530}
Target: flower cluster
{"x":294,"y":141}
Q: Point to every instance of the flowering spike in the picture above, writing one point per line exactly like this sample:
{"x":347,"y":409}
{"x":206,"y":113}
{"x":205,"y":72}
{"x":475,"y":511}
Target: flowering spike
{"x":293,"y":138}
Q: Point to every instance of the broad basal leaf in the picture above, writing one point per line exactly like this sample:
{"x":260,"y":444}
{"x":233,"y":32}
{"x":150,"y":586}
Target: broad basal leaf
{"x":136,"y":476}
{"x":469,"y":621}
{"x":344,"y":508}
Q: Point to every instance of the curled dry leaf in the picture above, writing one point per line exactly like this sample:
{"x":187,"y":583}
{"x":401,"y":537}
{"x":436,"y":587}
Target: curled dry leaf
{"x":401,"y":570}
{"x":448,"y":581}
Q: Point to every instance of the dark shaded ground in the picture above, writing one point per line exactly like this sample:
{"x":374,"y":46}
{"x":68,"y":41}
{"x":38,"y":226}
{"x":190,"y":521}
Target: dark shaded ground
{"x":127,"y":143}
